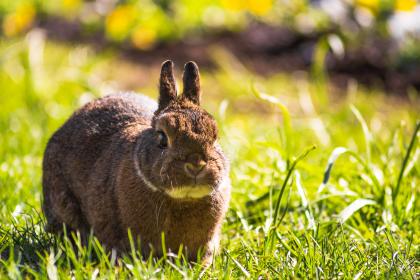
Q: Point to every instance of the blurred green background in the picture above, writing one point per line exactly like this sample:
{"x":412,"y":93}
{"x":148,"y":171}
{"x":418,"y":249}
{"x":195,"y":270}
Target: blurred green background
{"x":280,"y":77}
{"x":373,"y":41}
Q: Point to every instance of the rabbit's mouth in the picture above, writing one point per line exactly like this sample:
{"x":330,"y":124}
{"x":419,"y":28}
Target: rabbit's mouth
{"x":189,"y":192}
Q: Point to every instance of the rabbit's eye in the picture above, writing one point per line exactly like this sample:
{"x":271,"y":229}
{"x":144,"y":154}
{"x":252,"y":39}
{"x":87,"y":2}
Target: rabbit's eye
{"x":163,"y":139}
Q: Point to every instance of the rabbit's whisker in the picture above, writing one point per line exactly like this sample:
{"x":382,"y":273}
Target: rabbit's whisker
{"x":158,"y":211}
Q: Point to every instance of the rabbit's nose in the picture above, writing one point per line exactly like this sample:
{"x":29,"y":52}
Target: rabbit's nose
{"x":194,"y":165}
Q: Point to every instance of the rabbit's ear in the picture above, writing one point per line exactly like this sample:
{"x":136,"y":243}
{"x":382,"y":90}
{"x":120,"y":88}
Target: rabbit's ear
{"x":167,"y":85}
{"x":191,"y":79}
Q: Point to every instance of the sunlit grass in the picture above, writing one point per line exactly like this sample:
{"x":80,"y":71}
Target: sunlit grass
{"x":345,"y":209}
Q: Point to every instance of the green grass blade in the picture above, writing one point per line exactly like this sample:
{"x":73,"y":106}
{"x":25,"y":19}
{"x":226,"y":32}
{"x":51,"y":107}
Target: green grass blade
{"x":286,"y":180}
{"x":353,"y":208}
{"x":331,"y":160}
{"x":238,"y":264}
{"x":287,"y":122}
{"x":396,"y":190}
{"x":366,"y":131}
{"x":337,"y":152}
{"x":305,"y":202}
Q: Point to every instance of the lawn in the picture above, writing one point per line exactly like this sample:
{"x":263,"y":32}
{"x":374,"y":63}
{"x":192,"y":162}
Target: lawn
{"x":325,"y":181}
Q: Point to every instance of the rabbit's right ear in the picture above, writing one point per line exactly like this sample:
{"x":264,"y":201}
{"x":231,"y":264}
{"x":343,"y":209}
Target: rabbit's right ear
{"x":191,"y":80}
{"x":167,"y":85}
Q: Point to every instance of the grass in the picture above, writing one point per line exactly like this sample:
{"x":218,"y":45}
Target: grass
{"x":324,"y":185}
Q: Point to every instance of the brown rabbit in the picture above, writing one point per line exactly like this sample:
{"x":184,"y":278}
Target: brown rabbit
{"x":123,"y":162}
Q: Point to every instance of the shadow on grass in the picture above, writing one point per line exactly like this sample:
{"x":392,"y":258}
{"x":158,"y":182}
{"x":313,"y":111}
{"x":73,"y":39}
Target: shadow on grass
{"x":26,"y":246}
{"x":24,"y":240}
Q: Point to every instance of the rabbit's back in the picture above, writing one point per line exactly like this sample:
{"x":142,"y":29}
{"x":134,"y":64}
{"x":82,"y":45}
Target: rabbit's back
{"x":104,"y":117}
{"x":88,"y":132}
{"x":73,"y":152}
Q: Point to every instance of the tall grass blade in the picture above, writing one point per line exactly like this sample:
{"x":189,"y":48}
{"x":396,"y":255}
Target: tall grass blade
{"x":305,"y":202}
{"x":163,"y":242}
{"x":353,"y":208}
{"x":366,"y":131}
{"x":176,"y":268}
{"x":333,"y":157}
{"x":412,"y":163}
{"x":276,"y":219}
{"x":285,"y":112}
{"x":238,"y":264}
{"x":405,"y":161}
{"x":286,"y":180}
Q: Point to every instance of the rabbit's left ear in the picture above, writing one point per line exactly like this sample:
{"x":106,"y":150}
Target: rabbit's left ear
{"x":191,"y":79}
{"x":167,"y":86}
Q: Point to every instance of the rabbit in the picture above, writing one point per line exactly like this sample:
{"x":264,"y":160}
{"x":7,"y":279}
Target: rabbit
{"x":124,"y":163}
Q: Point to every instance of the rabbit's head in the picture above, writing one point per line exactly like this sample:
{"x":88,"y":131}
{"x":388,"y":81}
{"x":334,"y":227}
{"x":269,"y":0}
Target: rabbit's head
{"x":181,"y":156}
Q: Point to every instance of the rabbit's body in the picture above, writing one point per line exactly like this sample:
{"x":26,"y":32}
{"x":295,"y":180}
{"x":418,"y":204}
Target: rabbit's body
{"x":103,"y":171}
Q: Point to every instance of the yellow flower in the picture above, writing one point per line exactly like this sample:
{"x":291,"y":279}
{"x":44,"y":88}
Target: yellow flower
{"x":233,"y":5}
{"x":119,"y":21}
{"x":71,"y":4}
{"x":143,"y":37}
{"x":259,"y":7}
{"x":399,"y":5}
{"x":405,"y":5}
{"x":256,"y":7}
{"x":19,"y":20}
{"x":370,"y":4}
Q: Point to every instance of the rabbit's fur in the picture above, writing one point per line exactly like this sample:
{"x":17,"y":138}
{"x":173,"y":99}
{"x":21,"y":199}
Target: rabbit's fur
{"x":109,"y":169}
